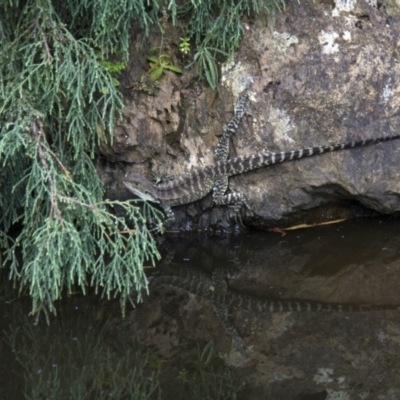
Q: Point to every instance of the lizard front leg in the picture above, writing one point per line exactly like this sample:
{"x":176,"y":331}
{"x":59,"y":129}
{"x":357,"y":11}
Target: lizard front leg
{"x":169,"y":221}
{"x":221,"y":154}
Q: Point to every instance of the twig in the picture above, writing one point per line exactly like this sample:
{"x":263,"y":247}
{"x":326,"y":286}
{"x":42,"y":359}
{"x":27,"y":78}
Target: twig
{"x":63,"y":168}
{"x":44,"y":40}
{"x":38,"y":133}
{"x":91,"y":207}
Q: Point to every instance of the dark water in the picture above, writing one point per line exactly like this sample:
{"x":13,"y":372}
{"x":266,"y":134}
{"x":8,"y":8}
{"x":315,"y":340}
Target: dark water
{"x":175,"y":346}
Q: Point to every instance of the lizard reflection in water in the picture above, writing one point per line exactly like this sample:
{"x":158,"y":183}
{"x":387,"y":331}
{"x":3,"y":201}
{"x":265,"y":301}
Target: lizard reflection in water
{"x":215,"y":288}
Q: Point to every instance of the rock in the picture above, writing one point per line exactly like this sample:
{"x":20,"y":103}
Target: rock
{"x":322,"y":73}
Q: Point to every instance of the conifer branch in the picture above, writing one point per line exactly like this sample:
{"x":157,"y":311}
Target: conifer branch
{"x":58,"y":103}
{"x":55,"y":94}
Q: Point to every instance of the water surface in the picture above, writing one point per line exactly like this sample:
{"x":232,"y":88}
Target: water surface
{"x":176,"y":343}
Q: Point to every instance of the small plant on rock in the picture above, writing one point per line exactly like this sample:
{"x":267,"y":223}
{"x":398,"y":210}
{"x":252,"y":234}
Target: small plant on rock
{"x":160,"y":63}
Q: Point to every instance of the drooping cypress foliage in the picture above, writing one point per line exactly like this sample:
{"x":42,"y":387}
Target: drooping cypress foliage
{"x":55,"y":98}
{"x":218,"y":23}
{"x":57,"y":102}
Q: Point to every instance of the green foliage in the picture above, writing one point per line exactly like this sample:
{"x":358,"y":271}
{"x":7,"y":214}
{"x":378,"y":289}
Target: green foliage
{"x":56,"y":98}
{"x":216,"y":27}
{"x":159,"y":63}
{"x":113,"y":67}
{"x":217,"y":23}
{"x":184,"y":45}
{"x":58,"y":101}
{"x":106,"y":24}
{"x":205,"y":60}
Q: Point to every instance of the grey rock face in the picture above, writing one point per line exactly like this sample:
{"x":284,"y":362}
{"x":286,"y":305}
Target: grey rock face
{"x":322,"y":73}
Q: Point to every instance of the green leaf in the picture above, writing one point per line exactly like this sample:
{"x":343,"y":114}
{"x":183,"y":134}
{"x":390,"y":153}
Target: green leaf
{"x":153,"y":59}
{"x":174,"y":68}
{"x":156,"y":74}
{"x":211,"y":81}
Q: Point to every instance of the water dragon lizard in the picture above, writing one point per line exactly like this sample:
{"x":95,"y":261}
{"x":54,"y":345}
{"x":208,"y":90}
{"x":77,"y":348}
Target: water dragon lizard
{"x":213,"y":178}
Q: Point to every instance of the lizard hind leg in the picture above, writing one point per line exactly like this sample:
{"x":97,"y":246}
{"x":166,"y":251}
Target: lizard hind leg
{"x":236,"y":200}
{"x":230,"y":199}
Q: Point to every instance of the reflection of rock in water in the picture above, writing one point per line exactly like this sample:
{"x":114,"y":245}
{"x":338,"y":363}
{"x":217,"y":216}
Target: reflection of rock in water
{"x":215,"y":289}
{"x":289,"y":350}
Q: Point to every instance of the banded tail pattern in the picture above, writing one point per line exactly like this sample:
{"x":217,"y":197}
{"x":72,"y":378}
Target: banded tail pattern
{"x":241,"y":165}
{"x":260,"y":305}
{"x":202,"y":180}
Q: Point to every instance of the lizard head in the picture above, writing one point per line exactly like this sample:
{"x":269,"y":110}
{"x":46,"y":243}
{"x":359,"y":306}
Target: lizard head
{"x":141,"y":187}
